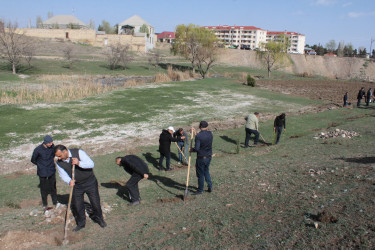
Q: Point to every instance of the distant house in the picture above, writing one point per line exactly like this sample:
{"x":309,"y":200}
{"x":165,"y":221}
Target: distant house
{"x":166,"y":37}
{"x":330,"y":54}
{"x":137,"y":26}
{"x":64,"y":22}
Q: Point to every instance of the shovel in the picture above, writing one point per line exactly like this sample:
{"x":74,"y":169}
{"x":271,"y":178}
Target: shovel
{"x":179,"y":150}
{"x":264,"y":139}
{"x":65,"y":240}
{"x":186,"y":193}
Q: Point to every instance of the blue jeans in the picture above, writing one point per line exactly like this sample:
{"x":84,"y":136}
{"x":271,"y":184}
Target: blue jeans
{"x":203,"y":172}
{"x":248,"y":133}
{"x":278,"y":134}
{"x":181,"y":145}
{"x":168,"y":160}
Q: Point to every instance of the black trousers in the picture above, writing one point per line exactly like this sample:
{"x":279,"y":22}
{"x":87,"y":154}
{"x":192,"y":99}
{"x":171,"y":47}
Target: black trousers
{"x":90,"y":188}
{"x":48,"y":186}
{"x":132,"y":186}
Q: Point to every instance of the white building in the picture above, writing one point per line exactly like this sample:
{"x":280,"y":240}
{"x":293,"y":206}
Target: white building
{"x":133,"y":25}
{"x":241,"y":36}
{"x":297,"y":41}
{"x":250,"y":37}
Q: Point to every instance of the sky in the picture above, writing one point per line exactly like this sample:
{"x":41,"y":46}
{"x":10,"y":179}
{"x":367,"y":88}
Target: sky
{"x":348,"y":21}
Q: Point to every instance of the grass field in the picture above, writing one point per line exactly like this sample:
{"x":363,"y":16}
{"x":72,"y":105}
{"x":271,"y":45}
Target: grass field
{"x":263,"y":197}
{"x":135,"y":112}
{"x":304,"y":193}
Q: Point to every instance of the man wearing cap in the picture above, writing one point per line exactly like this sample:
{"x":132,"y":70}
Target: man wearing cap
{"x":84,"y":181}
{"x":252,"y":127}
{"x":138,"y":170}
{"x":203,"y":147}
{"x":165,"y":139}
{"x":43,"y":158}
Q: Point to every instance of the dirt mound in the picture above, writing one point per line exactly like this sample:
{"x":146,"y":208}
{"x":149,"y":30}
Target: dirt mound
{"x":28,"y":239}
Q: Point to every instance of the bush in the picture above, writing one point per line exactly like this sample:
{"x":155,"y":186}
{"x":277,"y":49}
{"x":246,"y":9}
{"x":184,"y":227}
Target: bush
{"x":250,"y":81}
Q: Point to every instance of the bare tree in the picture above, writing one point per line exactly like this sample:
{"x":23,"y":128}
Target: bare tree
{"x":39,"y":22}
{"x":205,"y":59}
{"x":117,"y":54}
{"x":68,"y":53}
{"x":14,"y":45}
{"x":154,"y":57}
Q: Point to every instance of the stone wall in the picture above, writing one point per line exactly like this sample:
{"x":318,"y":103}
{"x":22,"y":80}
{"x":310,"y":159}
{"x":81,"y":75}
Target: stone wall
{"x":136,"y":43}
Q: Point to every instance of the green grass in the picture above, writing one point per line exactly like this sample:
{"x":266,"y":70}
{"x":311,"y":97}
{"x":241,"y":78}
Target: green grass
{"x":260,"y":198}
{"x":140,"y":105}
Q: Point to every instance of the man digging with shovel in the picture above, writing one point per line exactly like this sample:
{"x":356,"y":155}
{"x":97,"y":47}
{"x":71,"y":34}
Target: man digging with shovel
{"x":84,"y":182}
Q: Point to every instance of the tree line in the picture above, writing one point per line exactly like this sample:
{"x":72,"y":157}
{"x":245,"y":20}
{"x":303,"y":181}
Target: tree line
{"x":341,"y":49}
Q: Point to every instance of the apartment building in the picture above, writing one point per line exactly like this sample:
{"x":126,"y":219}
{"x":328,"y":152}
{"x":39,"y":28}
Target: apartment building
{"x":250,"y":37}
{"x":297,"y":41}
{"x":247,"y":37}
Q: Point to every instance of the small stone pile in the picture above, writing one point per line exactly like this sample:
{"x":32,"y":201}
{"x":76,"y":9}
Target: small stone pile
{"x":57,"y":215}
{"x":336,"y":133}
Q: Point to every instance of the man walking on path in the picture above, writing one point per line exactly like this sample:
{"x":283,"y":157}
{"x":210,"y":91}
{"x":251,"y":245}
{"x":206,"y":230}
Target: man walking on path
{"x":43,"y":157}
{"x":278,"y":126}
{"x":165,"y":140}
{"x":138,"y":170}
{"x":84,"y":182}
{"x":368,"y":97}
{"x":252,"y":127}
{"x":360,"y":95}
{"x":203,"y":147}
{"x":182,"y":143}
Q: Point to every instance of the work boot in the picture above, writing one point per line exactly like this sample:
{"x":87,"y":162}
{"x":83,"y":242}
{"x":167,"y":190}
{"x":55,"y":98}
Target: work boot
{"x":77,"y":228}
{"x":169,"y":169}
{"x":102,"y":223}
{"x":209,"y":189}
{"x":134,"y":203}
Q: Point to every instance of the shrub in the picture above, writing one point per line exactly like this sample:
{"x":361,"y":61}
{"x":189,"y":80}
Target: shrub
{"x":250,"y":81}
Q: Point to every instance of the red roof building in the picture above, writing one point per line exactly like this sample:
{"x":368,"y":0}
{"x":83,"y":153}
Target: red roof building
{"x":166,"y":37}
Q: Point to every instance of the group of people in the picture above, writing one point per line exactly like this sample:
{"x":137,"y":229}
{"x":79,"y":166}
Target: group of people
{"x":75,"y":168}
{"x":361,"y":94}
{"x":203,"y":148}
{"x":252,"y":127}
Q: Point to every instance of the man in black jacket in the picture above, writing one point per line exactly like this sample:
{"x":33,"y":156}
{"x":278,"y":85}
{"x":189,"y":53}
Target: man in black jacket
{"x":43,"y":157}
{"x":278,"y":126}
{"x":138,"y":170}
{"x":361,"y":94}
{"x":165,"y":140}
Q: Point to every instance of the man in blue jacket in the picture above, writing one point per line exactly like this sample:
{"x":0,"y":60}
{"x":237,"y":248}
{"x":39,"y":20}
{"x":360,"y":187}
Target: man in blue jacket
{"x":203,"y":147}
{"x":43,"y":157}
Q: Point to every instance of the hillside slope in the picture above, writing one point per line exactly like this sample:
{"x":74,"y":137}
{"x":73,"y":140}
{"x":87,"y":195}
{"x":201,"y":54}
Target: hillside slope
{"x":327,"y":66}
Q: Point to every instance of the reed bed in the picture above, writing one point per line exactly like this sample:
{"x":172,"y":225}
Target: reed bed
{"x":173,"y":75}
{"x":60,"y":88}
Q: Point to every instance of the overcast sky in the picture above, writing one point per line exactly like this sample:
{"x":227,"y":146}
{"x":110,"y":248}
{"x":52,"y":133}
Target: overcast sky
{"x":351,"y":21}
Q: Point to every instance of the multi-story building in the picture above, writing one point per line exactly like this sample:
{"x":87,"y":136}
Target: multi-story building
{"x":248,"y":37}
{"x":297,"y":41}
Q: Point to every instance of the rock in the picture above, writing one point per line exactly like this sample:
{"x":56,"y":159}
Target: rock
{"x":34,"y":212}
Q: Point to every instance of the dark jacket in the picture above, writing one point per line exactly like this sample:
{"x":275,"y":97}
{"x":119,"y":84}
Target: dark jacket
{"x":43,"y":158}
{"x":178,"y":135}
{"x":279,"y":122}
{"x":203,"y":143}
{"x":361,"y":94}
{"x":134,"y":165}
{"x":165,"y":140}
